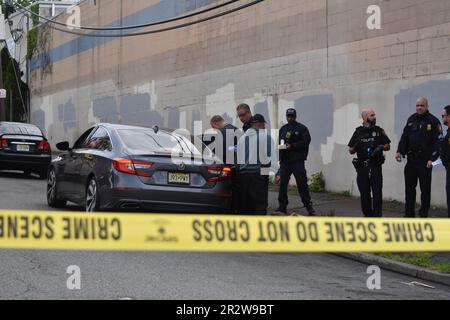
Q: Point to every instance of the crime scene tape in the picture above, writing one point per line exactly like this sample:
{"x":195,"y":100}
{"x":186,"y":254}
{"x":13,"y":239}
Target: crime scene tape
{"x":175,"y":232}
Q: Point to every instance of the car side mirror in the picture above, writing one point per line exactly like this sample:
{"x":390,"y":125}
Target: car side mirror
{"x":63,"y":146}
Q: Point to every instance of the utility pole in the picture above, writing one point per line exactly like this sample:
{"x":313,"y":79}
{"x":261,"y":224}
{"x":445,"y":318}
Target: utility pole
{"x":11,"y":106}
{"x":28,"y":77}
{"x":2,"y":40}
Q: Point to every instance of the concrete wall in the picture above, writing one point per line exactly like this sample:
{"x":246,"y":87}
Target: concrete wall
{"x":315,"y":55}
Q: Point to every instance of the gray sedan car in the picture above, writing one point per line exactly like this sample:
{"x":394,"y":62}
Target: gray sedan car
{"x":128,"y":168}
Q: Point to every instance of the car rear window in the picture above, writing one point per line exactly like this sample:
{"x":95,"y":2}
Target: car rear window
{"x":147,"y":141}
{"x":11,"y":129}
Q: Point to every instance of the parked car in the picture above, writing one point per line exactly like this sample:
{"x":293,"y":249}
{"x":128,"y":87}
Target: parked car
{"x":117,"y":167}
{"x":24,"y":147}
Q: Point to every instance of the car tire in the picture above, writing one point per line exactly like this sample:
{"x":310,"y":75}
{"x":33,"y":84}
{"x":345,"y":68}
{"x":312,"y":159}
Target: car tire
{"x":92,"y":196}
{"x":52,"y":192}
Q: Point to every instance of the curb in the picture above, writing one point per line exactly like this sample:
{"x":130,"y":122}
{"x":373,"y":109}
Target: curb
{"x":399,"y":267}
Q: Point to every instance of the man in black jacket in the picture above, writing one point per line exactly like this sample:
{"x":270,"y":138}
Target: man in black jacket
{"x":245,"y":115}
{"x":230,"y":137}
{"x":445,"y":152}
{"x":420,"y":143}
{"x":294,"y":140}
{"x":368,"y":142}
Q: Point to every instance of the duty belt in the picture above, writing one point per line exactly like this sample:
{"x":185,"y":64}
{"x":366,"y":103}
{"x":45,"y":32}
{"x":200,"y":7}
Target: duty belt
{"x":364,"y":163}
{"x":359,"y":163}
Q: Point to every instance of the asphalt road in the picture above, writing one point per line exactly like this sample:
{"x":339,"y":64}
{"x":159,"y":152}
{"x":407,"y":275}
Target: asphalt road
{"x":148,"y":275}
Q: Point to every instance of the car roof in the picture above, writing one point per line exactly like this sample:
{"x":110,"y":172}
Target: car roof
{"x":8,"y":123}
{"x":130,"y":127}
{"x":20,"y":128}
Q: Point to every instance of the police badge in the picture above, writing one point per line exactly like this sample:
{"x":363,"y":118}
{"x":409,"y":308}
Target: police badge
{"x":288,"y":135}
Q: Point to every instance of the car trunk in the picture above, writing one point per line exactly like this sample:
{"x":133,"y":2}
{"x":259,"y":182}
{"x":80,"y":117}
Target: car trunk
{"x":22,"y":144}
{"x":175,"y":171}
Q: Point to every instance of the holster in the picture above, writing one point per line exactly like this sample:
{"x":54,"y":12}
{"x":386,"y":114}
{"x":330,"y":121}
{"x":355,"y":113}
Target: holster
{"x":358,"y":163}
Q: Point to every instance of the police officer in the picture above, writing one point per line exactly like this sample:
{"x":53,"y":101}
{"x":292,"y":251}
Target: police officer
{"x":368,"y":142}
{"x":420,"y":143}
{"x":294,"y":139}
{"x":445,"y":152}
{"x":254,"y":157}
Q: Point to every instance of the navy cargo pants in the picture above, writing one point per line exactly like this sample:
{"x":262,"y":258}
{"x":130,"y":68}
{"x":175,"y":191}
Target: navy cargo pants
{"x":296,"y":168}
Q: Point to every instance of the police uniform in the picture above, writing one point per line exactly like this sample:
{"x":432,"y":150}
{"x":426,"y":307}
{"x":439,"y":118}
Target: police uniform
{"x":293,"y":162}
{"x":368,"y":143}
{"x":420,"y":143}
{"x":445,"y":157}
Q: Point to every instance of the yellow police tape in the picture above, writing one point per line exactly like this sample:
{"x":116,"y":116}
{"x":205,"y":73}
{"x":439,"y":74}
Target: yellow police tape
{"x":167,"y":232}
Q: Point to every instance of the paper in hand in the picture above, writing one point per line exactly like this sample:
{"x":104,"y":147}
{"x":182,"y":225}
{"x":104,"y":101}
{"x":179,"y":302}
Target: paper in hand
{"x":437,"y":163}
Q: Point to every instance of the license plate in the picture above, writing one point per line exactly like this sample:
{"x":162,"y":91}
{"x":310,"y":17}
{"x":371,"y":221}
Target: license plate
{"x":23,"y":147}
{"x":179,"y":178}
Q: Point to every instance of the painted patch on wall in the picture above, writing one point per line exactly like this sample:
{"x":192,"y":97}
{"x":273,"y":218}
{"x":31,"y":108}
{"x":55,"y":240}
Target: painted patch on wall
{"x":316,"y":112}
{"x":67,"y":115}
{"x":437,"y":92}
{"x":105,"y":109}
{"x":173,"y":118}
{"x":135,"y":110}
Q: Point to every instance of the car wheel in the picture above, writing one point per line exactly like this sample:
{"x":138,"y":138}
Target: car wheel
{"x":92,"y":197}
{"x":52,"y":192}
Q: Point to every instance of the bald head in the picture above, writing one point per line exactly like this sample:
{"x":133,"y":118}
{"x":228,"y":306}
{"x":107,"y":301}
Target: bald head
{"x":422,"y":105}
{"x":368,"y":115}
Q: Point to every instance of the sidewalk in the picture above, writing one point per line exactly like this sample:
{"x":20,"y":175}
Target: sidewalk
{"x":330,"y":204}
{"x":341,"y":205}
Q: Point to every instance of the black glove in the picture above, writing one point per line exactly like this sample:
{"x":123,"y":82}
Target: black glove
{"x":377,"y":152}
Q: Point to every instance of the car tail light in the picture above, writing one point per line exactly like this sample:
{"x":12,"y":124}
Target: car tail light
{"x":44,"y":146}
{"x":221,"y":173}
{"x":3,"y":144}
{"x":132,"y":166}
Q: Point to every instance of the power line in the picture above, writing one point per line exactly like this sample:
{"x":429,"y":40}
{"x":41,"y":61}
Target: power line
{"x":152,"y":24}
{"x":163,"y":29}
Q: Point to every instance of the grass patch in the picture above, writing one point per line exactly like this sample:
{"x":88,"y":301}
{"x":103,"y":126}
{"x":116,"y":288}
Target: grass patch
{"x":346,"y":194}
{"x":424,"y":260}
{"x":317,"y":183}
